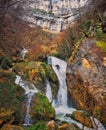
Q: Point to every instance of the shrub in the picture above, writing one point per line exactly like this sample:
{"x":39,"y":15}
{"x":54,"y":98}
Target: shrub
{"x":38,"y":126}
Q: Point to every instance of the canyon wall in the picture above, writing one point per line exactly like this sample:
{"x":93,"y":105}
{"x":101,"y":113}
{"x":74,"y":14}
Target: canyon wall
{"x":86,"y":77}
{"x":54,"y":15}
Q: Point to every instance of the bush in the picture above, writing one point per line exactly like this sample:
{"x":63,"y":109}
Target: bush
{"x":41,"y":109}
{"x":5,"y":62}
{"x":38,"y":126}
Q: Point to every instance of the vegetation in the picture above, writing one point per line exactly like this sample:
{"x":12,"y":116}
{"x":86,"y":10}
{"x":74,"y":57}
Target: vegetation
{"x":16,"y":34}
{"x":38,"y":126}
{"x":102,"y":45}
{"x":42,"y":109}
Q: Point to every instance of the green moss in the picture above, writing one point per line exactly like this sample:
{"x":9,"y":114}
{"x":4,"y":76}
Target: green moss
{"x":10,"y":96}
{"x":38,"y":126}
{"x":102,"y":45}
{"x":5,"y":62}
{"x":42,"y":109}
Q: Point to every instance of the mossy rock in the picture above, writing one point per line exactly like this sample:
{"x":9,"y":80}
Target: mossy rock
{"x":11,"y":97}
{"x":11,"y":127}
{"x":37,"y":72}
{"x":41,"y":109}
{"x":68,"y":127}
{"x":101,"y":45}
{"x":82,"y":118}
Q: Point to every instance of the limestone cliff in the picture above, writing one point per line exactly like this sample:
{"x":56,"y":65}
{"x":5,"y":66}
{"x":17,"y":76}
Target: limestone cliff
{"x":54,"y":15}
{"x":86,"y":76}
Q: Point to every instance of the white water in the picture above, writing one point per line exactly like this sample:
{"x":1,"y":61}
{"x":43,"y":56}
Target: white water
{"x":23,"y":53}
{"x":61,"y":106}
{"x":30,"y":90}
{"x":60,"y":103}
{"x":48,"y":91}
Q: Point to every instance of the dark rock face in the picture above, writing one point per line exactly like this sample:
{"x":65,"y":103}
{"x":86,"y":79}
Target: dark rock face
{"x":86,"y":76}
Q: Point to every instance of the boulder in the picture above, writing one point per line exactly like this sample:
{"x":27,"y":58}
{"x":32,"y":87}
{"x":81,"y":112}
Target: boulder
{"x":41,"y":109}
{"x":68,"y":127}
{"x":11,"y":127}
{"x":52,"y":125}
{"x":82,"y":118}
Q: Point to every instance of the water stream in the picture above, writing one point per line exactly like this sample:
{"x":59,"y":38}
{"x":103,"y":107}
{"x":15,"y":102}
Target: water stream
{"x":48,"y":91}
{"x":61,"y":102}
{"x":30,"y":90}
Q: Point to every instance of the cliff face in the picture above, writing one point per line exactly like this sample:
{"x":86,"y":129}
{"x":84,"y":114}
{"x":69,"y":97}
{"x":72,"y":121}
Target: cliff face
{"x":54,"y":15}
{"x":86,"y":76}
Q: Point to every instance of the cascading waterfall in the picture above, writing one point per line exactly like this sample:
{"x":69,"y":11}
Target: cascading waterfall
{"x":29,"y":92}
{"x":60,"y":103}
{"x":23,"y":53}
{"x":48,"y":91}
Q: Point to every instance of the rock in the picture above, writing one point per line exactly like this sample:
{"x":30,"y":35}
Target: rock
{"x":41,"y":109}
{"x":82,"y":118}
{"x":10,"y":99}
{"x":52,"y":15}
{"x":11,"y":127}
{"x":86,"y":77}
{"x":68,"y":127}
{"x":52,"y":125}
{"x":37,"y":73}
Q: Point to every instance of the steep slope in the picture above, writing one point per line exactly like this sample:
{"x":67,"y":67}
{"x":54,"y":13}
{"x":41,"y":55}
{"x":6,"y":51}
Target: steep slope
{"x":86,"y":77}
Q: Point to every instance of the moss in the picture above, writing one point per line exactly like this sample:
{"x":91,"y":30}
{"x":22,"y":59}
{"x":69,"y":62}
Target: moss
{"x":38,"y":126}
{"x":42,"y":109}
{"x":10,"y":97}
{"x":37,"y":72}
{"x":102,"y":45}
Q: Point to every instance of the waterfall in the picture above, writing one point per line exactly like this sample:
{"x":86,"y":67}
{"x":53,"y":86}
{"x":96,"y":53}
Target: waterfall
{"x":23,"y":53}
{"x":48,"y":91}
{"x":30,"y":90}
{"x":60,"y":103}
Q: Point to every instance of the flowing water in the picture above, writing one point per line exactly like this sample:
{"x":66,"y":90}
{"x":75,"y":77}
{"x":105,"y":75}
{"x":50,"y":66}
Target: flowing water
{"x":48,"y":91}
{"x":30,"y":90}
{"x":23,"y":53}
{"x":60,"y":103}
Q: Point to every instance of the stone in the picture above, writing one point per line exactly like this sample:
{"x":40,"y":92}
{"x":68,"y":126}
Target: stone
{"x":11,"y":127}
{"x":52,"y":15}
{"x":82,"y":118}
{"x":86,"y":77}
{"x":68,"y":127}
{"x":52,"y":125}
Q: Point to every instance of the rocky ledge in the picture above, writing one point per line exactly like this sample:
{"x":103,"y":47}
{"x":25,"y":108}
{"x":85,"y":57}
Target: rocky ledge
{"x":53,"y":15}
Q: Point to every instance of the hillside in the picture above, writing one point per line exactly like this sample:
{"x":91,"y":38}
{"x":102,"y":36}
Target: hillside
{"x":27,"y":73}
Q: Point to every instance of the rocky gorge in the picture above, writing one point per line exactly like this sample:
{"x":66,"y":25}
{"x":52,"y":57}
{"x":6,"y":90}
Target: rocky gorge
{"x":53,"y":81}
